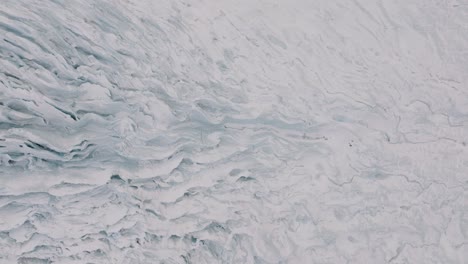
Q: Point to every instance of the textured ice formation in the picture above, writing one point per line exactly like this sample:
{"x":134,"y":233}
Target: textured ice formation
{"x":302,"y":131}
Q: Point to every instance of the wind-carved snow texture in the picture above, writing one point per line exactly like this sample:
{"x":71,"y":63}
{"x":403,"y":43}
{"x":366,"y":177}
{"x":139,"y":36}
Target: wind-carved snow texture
{"x":321,"y":131}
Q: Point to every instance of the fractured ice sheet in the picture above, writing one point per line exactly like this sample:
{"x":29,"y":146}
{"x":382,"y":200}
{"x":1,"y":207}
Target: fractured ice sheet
{"x":302,"y":131}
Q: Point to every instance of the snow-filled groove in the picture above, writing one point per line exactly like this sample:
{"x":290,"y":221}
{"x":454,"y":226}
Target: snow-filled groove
{"x":303,"y":131}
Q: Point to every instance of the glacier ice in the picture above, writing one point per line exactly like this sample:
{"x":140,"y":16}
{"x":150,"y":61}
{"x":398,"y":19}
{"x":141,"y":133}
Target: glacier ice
{"x":302,"y":131}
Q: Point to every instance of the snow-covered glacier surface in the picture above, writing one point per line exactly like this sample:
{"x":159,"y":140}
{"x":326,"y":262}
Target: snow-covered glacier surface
{"x":249,"y":131}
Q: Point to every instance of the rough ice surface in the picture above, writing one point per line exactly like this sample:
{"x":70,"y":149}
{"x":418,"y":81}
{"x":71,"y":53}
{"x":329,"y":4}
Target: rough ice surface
{"x":249,"y":131}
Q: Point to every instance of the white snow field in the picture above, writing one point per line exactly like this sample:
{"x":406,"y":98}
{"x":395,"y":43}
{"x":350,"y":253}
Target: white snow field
{"x":234,"y":131}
